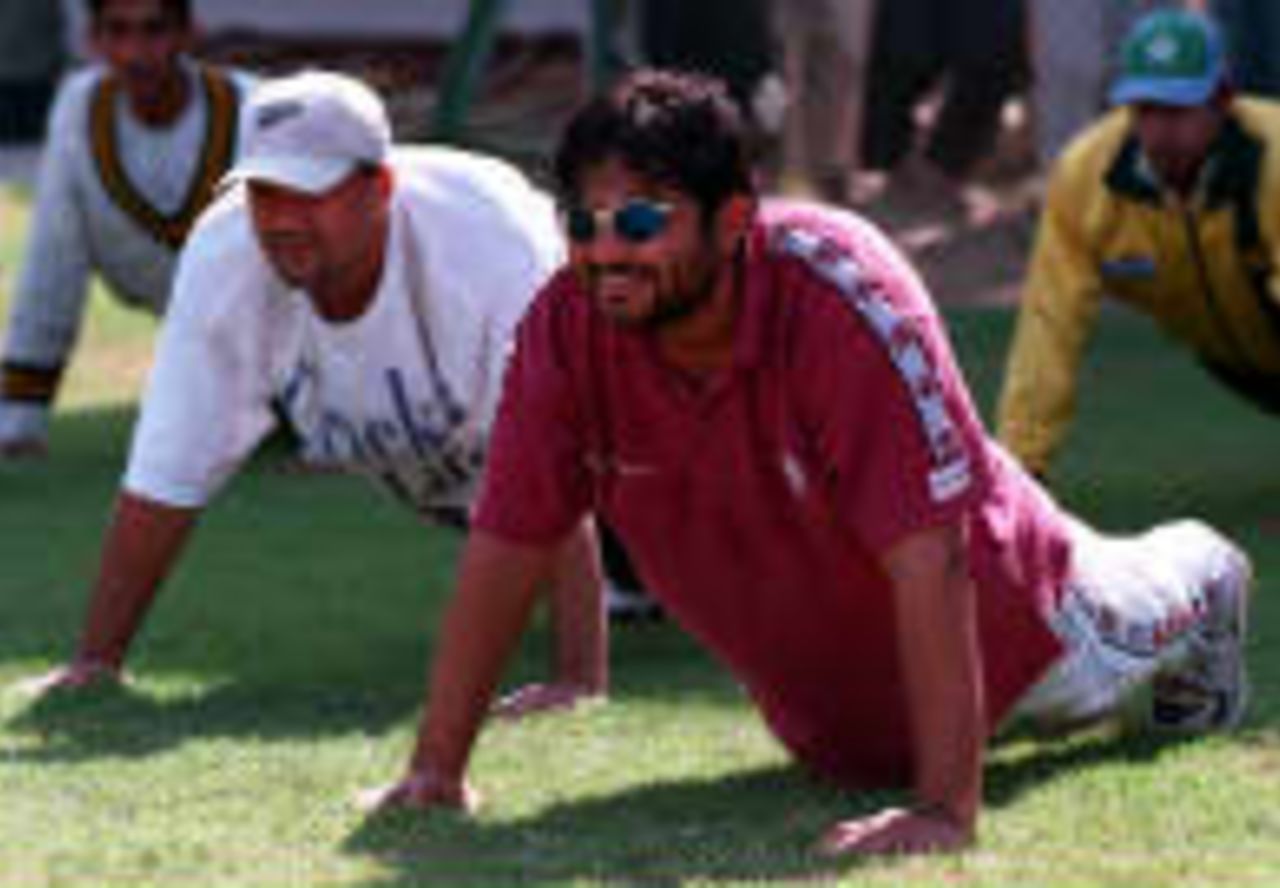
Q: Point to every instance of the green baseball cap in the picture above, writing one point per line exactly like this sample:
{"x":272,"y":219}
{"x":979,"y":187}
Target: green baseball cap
{"x":1170,"y":57}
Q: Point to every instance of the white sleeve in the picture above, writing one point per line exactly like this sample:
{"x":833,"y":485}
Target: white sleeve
{"x":527,"y":249}
{"x":207,"y":400}
{"x":245,"y":84}
{"x":523,"y":276}
{"x":50,"y":295}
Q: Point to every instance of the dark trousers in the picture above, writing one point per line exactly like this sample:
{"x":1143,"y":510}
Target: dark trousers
{"x":730,"y":39}
{"x":978,"y":46}
{"x":23,"y":107}
{"x":1253,"y":31}
{"x":617,"y":564}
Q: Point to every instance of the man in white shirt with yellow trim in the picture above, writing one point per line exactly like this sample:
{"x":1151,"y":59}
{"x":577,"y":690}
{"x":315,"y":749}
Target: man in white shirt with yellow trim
{"x":135,"y":146}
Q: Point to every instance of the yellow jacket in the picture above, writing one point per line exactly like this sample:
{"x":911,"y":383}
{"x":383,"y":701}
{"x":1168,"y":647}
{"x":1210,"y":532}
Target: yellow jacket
{"x":1203,"y":268}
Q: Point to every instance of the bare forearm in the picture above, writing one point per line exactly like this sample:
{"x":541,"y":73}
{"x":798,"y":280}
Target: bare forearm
{"x":949,"y":744}
{"x":941,"y":667}
{"x":141,"y":545}
{"x":496,"y":589}
{"x":578,"y":616}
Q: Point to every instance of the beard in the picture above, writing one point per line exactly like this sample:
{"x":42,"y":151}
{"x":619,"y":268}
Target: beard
{"x":676,"y":291}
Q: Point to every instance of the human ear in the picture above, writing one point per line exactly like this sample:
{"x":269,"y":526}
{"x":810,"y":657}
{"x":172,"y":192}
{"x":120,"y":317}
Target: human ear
{"x":734,"y":220}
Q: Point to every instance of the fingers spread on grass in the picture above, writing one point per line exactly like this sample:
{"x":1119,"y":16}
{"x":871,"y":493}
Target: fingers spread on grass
{"x":534,"y":699}
{"x":72,"y":676}
{"x":420,"y":791}
{"x":894,"y":831}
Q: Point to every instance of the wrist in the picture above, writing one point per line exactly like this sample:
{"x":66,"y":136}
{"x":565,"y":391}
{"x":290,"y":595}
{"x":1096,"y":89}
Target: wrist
{"x":95,"y":663}
{"x":426,"y":782}
{"x":596,"y":686}
{"x":23,"y":421}
{"x":962,"y":817}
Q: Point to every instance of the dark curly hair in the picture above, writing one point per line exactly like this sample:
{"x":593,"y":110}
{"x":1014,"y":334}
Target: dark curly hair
{"x":678,"y":128}
{"x":179,"y":10}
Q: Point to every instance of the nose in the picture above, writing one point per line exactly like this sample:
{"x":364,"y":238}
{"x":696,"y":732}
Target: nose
{"x":607,"y":247}
{"x":137,"y":43}
{"x":277,"y":209}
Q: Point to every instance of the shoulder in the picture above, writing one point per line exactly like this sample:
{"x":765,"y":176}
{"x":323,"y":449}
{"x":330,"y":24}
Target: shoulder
{"x":68,"y":115}
{"x":840,"y":302}
{"x":480,"y":207}
{"x":224,"y":225}
{"x":1259,"y":116}
{"x":221,"y":269}
{"x":1260,"y":120}
{"x":834,"y":261}
{"x":459,"y":181}
{"x":243,"y":81}
{"x":1084,"y":163}
{"x":80,"y":84}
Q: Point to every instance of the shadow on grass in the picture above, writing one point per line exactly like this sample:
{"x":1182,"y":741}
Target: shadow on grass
{"x":125,"y":721}
{"x":118,"y":721}
{"x":757,"y":825}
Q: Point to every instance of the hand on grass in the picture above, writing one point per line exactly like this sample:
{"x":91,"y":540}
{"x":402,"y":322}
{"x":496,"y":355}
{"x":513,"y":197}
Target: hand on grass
{"x":896,"y":831}
{"x":534,"y":699}
{"x":421,"y":790}
{"x":76,"y":675}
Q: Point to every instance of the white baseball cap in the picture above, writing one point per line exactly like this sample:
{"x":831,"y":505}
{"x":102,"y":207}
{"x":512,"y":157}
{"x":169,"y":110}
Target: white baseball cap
{"x":309,"y":131}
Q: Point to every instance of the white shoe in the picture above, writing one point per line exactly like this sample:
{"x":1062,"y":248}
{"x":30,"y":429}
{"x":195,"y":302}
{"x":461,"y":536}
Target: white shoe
{"x":629,"y":605}
{"x":1211,"y":692}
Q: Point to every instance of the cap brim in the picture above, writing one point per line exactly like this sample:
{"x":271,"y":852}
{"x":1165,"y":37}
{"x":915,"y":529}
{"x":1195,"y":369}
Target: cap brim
{"x":1178,"y":92}
{"x":314,"y":175}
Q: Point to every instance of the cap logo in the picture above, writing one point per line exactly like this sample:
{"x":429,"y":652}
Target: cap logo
{"x":277,"y":112}
{"x":1163,"y":50}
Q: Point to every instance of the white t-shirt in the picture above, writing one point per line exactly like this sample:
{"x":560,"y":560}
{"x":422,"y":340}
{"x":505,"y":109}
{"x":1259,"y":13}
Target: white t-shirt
{"x":405,"y":392}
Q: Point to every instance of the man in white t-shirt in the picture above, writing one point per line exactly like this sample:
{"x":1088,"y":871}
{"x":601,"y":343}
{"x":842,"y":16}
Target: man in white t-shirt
{"x":371,"y":293}
{"x":135,"y":146}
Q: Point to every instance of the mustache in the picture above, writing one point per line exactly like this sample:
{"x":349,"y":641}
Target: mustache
{"x":595,"y":271}
{"x":143,"y":71}
{"x":283,"y":237}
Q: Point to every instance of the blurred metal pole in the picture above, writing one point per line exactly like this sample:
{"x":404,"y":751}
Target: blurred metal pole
{"x":464,"y":67}
{"x":605,"y":60}
{"x":469,"y":55}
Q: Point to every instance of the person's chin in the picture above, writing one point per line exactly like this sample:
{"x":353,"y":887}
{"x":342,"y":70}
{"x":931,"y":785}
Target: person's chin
{"x":625,"y":317}
{"x":624,"y":310}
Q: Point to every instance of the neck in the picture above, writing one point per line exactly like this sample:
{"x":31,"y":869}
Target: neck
{"x":350,"y":292}
{"x":166,"y":104}
{"x":703,"y":342}
{"x":348,"y":298}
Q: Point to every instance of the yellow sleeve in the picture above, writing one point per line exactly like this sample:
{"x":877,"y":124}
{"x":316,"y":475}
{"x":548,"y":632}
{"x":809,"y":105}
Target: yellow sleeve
{"x":1059,"y":307}
{"x":1268,"y":209}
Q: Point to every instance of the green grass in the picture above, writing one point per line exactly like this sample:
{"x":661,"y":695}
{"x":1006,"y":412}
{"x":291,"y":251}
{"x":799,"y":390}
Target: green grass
{"x":281,"y":673}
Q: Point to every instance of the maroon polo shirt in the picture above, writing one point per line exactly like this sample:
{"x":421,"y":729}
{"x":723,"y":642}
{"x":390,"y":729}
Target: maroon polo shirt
{"x":758,"y":508}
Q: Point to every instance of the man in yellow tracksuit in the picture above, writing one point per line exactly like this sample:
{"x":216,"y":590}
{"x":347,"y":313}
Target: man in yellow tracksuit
{"x":1170,"y":204}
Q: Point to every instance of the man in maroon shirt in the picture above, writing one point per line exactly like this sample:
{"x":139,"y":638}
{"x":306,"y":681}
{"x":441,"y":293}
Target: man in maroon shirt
{"x":762,"y":402}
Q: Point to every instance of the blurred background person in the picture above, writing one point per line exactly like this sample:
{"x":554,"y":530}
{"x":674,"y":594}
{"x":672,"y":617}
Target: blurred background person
{"x":1253,"y":34}
{"x":825,"y":47}
{"x":730,"y":39}
{"x":974,"y":55}
{"x":1169,"y":205}
{"x":136,"y":145}
{"x":1073,"y":49}
{"x":32,"y":56}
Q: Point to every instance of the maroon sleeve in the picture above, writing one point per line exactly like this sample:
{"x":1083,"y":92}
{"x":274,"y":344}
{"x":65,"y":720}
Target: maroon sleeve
{"x":535,"y":487}
{"x":900,"y":445}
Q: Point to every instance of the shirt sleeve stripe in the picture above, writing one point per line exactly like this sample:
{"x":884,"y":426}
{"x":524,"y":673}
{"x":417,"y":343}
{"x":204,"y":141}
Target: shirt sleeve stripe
{"x":951,"y":472}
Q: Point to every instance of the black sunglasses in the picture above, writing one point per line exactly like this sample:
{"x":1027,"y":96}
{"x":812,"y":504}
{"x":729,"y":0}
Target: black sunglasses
{"x":635,"y":221}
